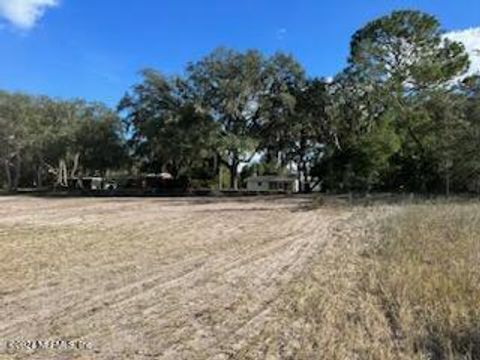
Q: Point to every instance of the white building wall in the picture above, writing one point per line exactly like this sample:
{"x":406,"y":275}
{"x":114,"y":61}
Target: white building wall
{"x":264,"y":185}
{"x":296,"y":186}
{"x":257,"y":185}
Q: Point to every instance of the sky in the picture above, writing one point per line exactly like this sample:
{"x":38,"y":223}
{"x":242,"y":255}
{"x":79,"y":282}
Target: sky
{"x":94,"y":49}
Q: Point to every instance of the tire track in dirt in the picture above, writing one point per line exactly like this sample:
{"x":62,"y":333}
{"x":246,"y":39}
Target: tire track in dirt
{"x":282,"y":271}
{"x":22,"y":297}
{"x":173,"y":224}
{"x":148,"y":287}
{"x":172,"y":279}
{"x":250,"y":326}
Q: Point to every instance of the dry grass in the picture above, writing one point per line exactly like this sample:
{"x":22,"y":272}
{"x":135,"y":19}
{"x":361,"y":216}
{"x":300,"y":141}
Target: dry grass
{"x":428,"y":277}
{"x":251,"y":278}
{"x":151,"y":278}
{"x":399,"y":283}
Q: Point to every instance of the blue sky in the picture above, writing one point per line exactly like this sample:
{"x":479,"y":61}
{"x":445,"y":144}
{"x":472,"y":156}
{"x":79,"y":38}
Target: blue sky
{"x":95,"y":48}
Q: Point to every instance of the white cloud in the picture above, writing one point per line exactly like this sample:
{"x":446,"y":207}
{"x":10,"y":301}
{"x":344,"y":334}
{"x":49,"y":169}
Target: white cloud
{"x":24,"y":14}
{"x":281,"y":33}
{"x":471,"y":39}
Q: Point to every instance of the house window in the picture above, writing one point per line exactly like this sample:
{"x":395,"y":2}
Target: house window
{"x":260,"y":184}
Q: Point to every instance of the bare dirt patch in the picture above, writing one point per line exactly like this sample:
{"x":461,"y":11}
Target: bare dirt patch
{"x":152,"y":278}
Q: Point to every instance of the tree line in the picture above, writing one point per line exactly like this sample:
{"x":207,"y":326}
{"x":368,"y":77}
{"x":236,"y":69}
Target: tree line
{"x":401,"y":116}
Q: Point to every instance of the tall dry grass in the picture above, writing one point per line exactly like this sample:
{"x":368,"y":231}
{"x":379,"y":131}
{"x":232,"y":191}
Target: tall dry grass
{"x":427,"y":275}
{"x":406,"y":286}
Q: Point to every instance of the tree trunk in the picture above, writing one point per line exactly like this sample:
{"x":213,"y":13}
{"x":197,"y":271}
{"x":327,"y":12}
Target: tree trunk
{"x":62,"y":176}
{"x":306,"y":176}
{"x":448,"y":167}
{"x":301,"y":169}
{"x":75,"y":165}
{"x":217,"y":170}
{"x":18,"y":172}
{"x":39,"y":176}
{"x":302,"y":164}
{"x":8,"y":174}
{"x":234,"y":175}
{"x":299,"y":176}
{"x":220,"y":179}
{"x":447,"y":184}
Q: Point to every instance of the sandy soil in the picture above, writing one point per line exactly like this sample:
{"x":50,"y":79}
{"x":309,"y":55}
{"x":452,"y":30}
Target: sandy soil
{"x":151,"y":278}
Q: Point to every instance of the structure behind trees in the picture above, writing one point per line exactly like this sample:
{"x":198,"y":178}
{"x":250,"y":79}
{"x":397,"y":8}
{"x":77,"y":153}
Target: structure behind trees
{"x":400,"y":117}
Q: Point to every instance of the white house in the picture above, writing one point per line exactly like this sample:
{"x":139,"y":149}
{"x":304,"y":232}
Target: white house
{"x":273,"y":183}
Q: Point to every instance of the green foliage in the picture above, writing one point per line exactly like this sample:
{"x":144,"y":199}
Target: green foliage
{"x":396,"y":114}
{"x":264,"y":167}
{"x":98,"y":138}
{"x":227,"y":86}
{"x":285,"y":80}
{"x":39,"y":133}
{"x":405,"y":51}
{"x":361,"y":160}
{"x":398,"y":117}
{"x":168,"y":131}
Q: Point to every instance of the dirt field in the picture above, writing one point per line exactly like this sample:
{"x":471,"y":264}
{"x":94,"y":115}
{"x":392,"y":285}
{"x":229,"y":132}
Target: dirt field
{"x":152,"y":278}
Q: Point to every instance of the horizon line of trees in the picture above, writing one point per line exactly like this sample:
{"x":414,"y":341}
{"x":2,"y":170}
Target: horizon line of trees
{"x":402,"y":116}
